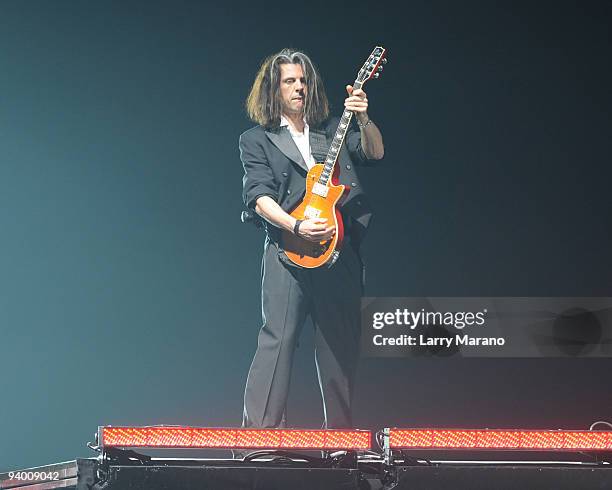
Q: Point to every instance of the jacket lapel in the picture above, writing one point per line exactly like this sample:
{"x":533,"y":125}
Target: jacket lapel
{"x":284,"y":142}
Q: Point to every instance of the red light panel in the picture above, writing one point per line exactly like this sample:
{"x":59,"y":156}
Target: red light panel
{"x":550,"y":440}
{"x":191,"y":437}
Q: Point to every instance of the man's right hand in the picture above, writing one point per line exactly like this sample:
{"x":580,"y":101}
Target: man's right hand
{"x":316,"y":230}
{"x":313,"y":229}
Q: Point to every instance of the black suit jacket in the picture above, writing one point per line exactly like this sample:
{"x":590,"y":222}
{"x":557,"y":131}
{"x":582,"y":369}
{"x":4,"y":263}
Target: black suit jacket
{"x":274,"y":166}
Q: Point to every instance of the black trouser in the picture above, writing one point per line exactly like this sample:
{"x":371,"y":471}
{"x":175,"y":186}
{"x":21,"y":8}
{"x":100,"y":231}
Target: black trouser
{"x":331,"y":297}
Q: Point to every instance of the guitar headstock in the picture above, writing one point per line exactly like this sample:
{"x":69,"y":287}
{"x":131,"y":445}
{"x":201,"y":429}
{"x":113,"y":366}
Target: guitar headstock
{"x":373,"y":66}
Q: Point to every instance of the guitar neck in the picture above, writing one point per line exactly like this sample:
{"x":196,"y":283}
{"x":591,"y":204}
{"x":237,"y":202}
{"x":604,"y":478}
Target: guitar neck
{"x":334,"y":149}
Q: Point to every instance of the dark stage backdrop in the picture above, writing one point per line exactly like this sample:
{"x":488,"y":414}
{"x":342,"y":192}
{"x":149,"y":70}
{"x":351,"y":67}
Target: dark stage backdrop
{"x":129,"y":288}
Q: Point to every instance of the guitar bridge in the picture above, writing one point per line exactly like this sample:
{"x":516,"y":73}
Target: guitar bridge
{"x":311,"y":212}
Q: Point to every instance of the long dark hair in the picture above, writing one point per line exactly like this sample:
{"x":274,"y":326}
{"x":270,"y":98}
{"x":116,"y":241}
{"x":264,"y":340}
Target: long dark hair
{"x":264,"y":105}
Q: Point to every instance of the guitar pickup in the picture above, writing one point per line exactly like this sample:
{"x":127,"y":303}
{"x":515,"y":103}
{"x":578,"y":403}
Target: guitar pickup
{"x":319,"y":189}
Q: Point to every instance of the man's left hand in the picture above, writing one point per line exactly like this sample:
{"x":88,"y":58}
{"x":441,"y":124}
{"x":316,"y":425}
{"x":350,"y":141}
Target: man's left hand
{"x":357,"y":101}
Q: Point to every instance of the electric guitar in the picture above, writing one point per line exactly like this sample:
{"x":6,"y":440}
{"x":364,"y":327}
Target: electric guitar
{"x":323,"y":192}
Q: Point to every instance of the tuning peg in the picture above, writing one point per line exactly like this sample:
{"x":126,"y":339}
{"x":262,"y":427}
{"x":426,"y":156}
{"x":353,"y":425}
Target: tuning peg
{"x":376,"y":75}
{"x":380,"y":68}
{"x":384,"y":61}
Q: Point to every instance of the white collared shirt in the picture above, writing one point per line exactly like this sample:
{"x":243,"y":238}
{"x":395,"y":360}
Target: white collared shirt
{"x":302,"y":141}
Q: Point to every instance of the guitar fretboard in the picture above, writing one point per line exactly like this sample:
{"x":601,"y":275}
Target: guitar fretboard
{"x":334,"y":149}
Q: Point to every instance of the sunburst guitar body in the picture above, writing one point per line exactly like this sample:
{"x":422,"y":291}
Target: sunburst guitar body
{"x":318,"y":202}
{"x":323,"y":192}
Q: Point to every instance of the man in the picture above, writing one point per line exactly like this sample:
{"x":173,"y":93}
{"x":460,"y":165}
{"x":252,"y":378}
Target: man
{"x":289,"y":103}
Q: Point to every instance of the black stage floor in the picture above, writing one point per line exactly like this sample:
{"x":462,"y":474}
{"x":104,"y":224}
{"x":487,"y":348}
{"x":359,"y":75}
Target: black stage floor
{"x":282,"y":474}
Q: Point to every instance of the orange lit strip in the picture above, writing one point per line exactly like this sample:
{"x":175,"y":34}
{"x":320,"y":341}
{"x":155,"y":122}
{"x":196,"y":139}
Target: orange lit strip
{"x":190,"y":437}
{"x":553,"y":440}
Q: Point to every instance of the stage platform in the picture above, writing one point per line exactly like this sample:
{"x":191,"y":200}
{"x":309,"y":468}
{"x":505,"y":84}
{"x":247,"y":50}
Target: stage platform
{"x":366,"y":473}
